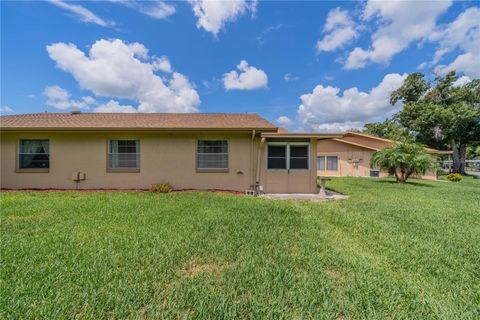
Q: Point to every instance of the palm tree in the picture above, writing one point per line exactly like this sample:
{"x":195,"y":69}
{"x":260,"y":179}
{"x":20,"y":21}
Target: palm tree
{"x":404,"y":160}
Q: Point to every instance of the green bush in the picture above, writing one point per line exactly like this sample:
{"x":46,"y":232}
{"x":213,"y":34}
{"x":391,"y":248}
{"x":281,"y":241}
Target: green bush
{"x":163,"y":187}
{"x":455,"y":177}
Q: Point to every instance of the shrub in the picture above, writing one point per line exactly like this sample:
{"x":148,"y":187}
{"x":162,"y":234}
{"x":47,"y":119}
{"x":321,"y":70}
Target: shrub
{"x":404,"y":160}
{"x":163,"y":187}
{"x":455,"y":177}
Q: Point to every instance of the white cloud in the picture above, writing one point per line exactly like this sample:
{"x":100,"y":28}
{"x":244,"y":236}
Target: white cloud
{"x":59,"y":98}
{"x":83,"y":13}
{"x":162,"y":64}
{"x":284,"y":121}
{"x":249,"y":78}
{"x":6,"y":109}
{"x":212,"y":15}
{"x":114,"y":68}
{"x":422,"y":65}
{"x":263,"y":36}
{"x":289,"y":77}
{"x":467,"y":63}
{"x":339,"y":30}
{"x":326,"y":109}
{"x":462,"y":81}
{"x":114,"y":107}
{"x":462,"y":34}
{"x":154,"y":9}
{"x":399,"y":24}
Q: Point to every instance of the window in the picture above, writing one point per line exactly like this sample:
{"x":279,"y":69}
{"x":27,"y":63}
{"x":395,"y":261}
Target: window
{"x":212,"y":154}
{"x":123,"y":154}
{"x":298,"y":157}
{"x":329,"y":163}
{"x":287,"y":156}
{"x":277,"y":157}
{"x":34,"y":154}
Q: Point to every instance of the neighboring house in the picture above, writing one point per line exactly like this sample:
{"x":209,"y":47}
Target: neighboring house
{"x":350,"y":155}
{"x":191,"y":151}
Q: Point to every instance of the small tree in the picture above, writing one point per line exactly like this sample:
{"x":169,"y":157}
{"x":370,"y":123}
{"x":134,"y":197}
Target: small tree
{"x":404,"y":160}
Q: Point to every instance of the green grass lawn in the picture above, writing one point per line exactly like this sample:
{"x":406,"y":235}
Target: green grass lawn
{"x":388,"y":252}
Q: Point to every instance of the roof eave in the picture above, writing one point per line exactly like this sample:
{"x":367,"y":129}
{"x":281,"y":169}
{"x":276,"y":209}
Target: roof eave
{"x":131,"y":129}
{"x":301,"y":135}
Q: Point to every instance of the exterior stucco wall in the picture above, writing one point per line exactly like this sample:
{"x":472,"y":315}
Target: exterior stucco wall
{"x":289,"y":181}
{"x":164,"y":157}
{"x":344,"y":152}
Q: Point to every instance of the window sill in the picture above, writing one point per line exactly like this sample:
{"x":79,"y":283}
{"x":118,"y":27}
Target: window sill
{"x":212,"y":170}
{"x":32,"y":170}
{"x":288,"y":169}
{"x":123,"y":170}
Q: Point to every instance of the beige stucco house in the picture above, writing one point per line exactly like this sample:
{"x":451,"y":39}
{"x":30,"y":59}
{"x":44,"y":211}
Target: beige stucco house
{"x":191,"y":151}
{"x":350,"y":155}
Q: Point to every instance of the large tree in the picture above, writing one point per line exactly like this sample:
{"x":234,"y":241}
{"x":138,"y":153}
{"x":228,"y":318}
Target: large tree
{"x":441,"y":114}
{"x":388,"y":129}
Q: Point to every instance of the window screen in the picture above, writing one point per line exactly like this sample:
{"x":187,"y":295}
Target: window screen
{"x":34,"y":154}
{"x":321,"y":163}
{"x":332,"y":163}
{"x":212,"y":154}
{"x":298,"y":157}
{"x":327,"y":163}
{"x":123,"y":154}
{"x":277,"y":157}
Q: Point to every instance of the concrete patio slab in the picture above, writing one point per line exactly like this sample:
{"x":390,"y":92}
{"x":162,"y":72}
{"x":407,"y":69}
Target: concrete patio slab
{"x":330,"y":195}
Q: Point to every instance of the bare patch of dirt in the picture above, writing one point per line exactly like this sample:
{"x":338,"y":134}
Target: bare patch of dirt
{"x":198,"y":267}
{"x":333,"y":273}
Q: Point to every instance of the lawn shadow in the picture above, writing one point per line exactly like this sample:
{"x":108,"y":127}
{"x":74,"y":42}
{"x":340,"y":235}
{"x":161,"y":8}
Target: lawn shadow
{"x":410,"y":182}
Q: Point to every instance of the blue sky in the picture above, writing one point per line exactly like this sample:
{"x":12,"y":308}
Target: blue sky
{"x":316,"y":66}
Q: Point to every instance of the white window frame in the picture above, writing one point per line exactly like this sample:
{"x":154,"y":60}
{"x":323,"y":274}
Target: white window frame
{"x":137,"y":155}
{"x":197,"y":154}
{"x":287,"y":145}
{"x":326,"y":162}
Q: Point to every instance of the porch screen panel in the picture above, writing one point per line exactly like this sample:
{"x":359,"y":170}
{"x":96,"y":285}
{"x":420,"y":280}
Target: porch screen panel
{"x":298,"y":157}
{"x":277,"y":157}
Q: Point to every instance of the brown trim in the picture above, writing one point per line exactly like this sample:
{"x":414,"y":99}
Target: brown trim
{"x":212,"y":170}
{"x":355,"y":144}
{"x":301,"y":135}
{"x":123,"y":170}
{"x":367,"y":136}
{"x":132,"y":129}
{"x":428,"y":150}
{"x":32,"y":170}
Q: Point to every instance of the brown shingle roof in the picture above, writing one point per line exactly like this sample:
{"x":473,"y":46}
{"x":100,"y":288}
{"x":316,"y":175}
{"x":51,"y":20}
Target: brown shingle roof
{"x":134,"y":121}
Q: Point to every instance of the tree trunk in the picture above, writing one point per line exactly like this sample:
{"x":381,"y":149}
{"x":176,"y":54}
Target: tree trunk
{"x":458,"y":157}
